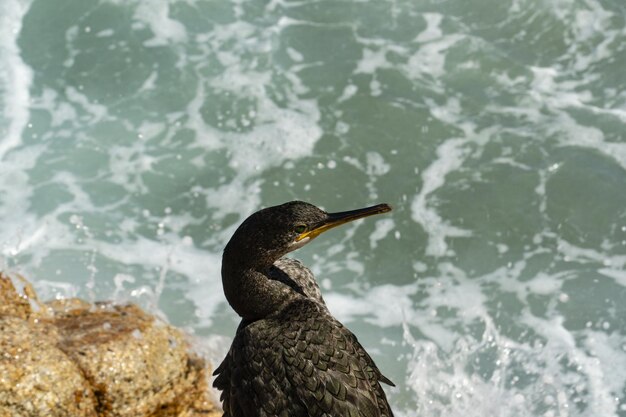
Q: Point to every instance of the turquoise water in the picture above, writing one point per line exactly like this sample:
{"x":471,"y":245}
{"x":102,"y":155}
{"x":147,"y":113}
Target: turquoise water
{"x":136,"y":135}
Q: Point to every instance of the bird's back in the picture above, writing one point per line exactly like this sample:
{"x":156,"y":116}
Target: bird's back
{"x":300,"y":362}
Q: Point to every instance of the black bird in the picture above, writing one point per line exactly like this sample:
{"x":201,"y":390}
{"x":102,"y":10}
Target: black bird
{"x":290,"y":356}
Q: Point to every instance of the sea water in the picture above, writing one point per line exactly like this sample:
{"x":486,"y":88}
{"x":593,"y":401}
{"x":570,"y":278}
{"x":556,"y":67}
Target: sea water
{"x":136,"y":135}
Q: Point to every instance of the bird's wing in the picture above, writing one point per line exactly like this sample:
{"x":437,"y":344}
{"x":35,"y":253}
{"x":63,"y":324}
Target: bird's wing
{"x":252,"y":377}
{"x":302,"y":363}
{"x":332,"y":373}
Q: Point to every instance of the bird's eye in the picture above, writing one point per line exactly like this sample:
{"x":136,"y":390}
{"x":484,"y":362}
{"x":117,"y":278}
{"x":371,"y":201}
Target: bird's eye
{"x":300,"y":228}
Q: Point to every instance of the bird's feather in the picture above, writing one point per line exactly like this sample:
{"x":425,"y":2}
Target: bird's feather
{"x":300,"y":362}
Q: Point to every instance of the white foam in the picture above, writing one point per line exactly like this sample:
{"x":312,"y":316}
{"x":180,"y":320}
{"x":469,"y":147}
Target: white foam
{"x":202,"y":267}
{"x":451,"y":154}
{"x":383,"y":227}
{"x":609,"y":350}
{"x":375,"y":164}
{"x":433,"y":29}
{"x":93,"y":112}
{"x":15,"y":76}
{"x":430,"y":58}
{"x":520,"y":379}
{"x":371,"y":61}
{"x":295,"y":55}
{"x":60,"y":111}
{"x":572,"y":133}
{"x":280,"y":134}
{"x":543,"y":284}
{"x":589,"y":24}
{"x":105,"y":33}
{"x":26,"y":229}
{"x":24,"y":242}
{"x":383,"y":305}
{"x":150,"y":82}
{"x":586,"y":255}
{"x":348,"y":92}
{"x":155,"y":14}
{"x":239,"y":196}
{"x":619,"y":275}
{"x":277,"y":133}
{"x":588,"y":375}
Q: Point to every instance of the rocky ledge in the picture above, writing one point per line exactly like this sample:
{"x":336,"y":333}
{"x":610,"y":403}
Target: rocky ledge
{"x":72,"y":358}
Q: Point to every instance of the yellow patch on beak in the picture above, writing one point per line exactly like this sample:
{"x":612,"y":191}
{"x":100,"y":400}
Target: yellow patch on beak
{"x":337,"y":219}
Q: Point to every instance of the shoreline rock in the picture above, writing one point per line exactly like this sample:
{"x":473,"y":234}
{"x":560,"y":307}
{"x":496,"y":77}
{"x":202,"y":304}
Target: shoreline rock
{"x":72,"y":358}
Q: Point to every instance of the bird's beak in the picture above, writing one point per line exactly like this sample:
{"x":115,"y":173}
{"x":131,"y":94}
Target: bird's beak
{"x":337,"y":219}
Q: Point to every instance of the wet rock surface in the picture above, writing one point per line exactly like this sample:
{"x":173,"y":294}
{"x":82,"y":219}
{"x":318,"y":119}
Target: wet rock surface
{"x":72,"y":358}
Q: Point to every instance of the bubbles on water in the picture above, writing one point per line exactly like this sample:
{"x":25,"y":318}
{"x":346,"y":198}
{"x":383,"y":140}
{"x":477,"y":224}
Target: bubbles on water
{"x":519,"y":378}
{"x":554,"y":167}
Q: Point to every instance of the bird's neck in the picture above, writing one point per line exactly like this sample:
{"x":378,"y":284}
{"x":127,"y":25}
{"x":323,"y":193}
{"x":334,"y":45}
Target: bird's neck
{"x":249,"y":289}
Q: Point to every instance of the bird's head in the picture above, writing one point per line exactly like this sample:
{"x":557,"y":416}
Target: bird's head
{"x":270,"y":233}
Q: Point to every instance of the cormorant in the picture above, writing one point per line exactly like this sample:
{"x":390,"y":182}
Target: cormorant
{"x":290,"y":357}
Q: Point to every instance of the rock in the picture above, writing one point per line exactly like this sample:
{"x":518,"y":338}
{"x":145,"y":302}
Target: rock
{"x":136,"y":364}
{"x":72,"y":358}
{"x":13,"y":302}
{"x":37,"y":378}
